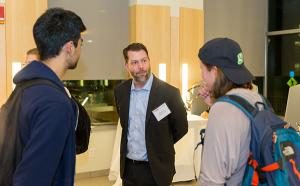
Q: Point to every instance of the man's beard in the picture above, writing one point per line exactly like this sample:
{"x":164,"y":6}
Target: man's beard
{"x":142,"y":79}
{"x":72,"y":66}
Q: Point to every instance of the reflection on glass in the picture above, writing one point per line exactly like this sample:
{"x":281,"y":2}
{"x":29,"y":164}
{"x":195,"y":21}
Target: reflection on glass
{"x":283,"y":57}
{"x":97,"y":97}
{"x":283,"y":14}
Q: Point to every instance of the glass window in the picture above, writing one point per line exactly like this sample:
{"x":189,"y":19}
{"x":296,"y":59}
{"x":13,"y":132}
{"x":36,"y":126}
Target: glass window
{"x":97,"y":96}
{"x":283,"y":57}
{"x":284,"y":14}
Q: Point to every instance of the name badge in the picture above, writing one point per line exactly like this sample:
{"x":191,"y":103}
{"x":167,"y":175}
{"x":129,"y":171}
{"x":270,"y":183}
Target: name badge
{"x":161,"y":112}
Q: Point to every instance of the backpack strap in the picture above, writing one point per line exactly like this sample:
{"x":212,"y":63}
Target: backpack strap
{"x":266,"y":103}
{"x":11,"y":146}
{"x":82,"y":128}
{"x":240,"y":103}
{"x":39,"y":81}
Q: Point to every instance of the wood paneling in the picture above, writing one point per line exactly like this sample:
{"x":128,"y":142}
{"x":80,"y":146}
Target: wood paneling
{"x":2,"y":65}
{"x":170,"y":40}
{"x":191,"y":28}
{"x":20,"y":17}
{"x":150,"y":25}
{"x":175,"y":76}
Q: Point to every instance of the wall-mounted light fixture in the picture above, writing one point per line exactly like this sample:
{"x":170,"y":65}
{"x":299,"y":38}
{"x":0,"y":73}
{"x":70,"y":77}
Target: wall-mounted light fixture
{"x":162,"y":71}
{"x":16,"y":67}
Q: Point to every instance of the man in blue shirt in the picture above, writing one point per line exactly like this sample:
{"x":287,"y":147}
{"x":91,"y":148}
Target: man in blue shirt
{"x":153,"y":118}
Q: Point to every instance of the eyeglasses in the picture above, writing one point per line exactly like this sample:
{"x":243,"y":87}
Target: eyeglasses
{"x":76,"y":43}
{"x":81,"y":44}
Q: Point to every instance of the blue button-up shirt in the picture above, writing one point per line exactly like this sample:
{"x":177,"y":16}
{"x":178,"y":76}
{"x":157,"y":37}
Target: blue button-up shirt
{"x":136,"y":145}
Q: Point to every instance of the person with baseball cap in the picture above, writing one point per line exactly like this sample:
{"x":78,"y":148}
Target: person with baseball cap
{"x":227,"y":136}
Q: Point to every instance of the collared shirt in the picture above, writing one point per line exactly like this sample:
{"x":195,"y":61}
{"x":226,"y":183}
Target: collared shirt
{"x":136,"y":145}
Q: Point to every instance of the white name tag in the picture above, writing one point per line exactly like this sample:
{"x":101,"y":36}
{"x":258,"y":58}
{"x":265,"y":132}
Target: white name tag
{"x":161,"y":112}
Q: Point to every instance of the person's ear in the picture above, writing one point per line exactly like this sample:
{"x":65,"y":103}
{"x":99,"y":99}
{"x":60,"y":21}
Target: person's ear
{"x":126,"y":65}
{"x":215,"y":69}
{"x":69,"y":47}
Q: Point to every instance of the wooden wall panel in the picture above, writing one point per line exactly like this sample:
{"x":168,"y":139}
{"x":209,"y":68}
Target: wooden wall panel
{"x":191,"y":38}
{"x":2,"y":65}
{"x":132,"y":23}
{"x":170,"y":39}
{"x":150,"y":25}
{"x":20,"y":17}
{"x":175,"y":76}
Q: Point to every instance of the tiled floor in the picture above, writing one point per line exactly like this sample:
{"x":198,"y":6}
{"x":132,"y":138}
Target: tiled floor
{"x":103,"y":181}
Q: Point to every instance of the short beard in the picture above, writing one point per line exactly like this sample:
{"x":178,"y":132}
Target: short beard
{"x":142,"y":80}
{"x":72,"y":66}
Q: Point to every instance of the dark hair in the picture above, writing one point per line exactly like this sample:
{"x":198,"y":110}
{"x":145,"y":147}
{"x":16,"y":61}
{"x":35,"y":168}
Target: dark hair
{"x":54,"y":28}
{"x":222,"y":84}
{"x":134,"y":47}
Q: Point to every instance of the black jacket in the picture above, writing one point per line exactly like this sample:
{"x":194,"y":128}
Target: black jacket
{"x":160,"y":135}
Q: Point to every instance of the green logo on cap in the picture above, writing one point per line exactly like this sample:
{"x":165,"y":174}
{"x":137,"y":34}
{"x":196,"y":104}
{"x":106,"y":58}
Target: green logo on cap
{"x":240,"y":58}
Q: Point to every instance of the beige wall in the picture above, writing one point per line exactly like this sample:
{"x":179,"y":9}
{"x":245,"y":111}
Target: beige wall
{"x":172,"y":33}
{"x":99,"y":155}
{"x":106,"y":36}
{"x":245,"y":22}
{"x":20,"y":17}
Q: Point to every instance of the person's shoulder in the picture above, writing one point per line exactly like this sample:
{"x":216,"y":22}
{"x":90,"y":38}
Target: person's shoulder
{"x":124,"y":84}
{"x":251,"y":96}
{"x":44,"y":93}
{"x":224,"y":116}
{"x":165,"y":85}
{"x":41,"y":99}
{"x":224,"y":109}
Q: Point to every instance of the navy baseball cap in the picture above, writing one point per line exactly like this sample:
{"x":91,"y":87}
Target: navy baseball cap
{"x":227,"y":55}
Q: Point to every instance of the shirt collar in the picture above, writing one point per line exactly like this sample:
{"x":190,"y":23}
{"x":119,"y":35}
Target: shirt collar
{"x":147,"y":86}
